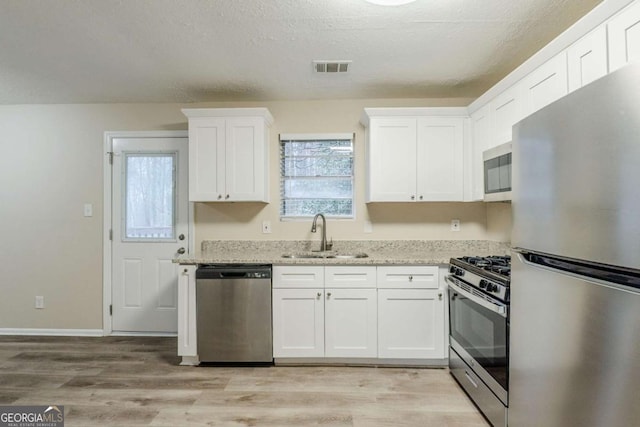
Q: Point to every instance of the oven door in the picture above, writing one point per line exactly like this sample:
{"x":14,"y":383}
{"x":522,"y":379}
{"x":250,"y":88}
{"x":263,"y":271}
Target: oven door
{"x":479,"y":333}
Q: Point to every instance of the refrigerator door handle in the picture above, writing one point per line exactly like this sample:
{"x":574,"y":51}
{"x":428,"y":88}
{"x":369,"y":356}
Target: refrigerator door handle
{"x":493,"y":306}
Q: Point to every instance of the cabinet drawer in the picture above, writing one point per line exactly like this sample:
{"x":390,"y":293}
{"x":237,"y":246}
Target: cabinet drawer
{"x":298,"y":276}
{"x":408,"y":277}
{"x":349,"y":277}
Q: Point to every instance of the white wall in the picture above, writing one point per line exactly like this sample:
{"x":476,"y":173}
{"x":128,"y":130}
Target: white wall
{"x":52,"y":164}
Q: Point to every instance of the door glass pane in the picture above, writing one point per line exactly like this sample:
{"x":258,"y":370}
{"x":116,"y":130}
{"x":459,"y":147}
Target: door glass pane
{"x":149,"y":196}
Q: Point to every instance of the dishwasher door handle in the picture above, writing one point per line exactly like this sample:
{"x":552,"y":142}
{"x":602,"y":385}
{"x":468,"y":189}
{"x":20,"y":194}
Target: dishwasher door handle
{"x":231,"y":274}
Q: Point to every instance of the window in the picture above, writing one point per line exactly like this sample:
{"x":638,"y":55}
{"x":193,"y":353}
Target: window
{"x":149,"y":196}
{"x":316,"y":175}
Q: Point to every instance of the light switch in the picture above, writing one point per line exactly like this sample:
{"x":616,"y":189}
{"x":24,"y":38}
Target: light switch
{"x":88,"y":209}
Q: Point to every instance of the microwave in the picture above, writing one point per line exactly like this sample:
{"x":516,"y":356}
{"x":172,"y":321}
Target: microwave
{"x":497,"y":173}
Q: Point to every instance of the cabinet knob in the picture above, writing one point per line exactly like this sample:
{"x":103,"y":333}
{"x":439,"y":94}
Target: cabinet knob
{"x":420,"y":197}
{"x":413,"y":197}
{"x":440,"y":296}
{"x":328,"y":295}
{"x":185,"y":271}
{"x":226,"y":197}
{"x":219,"y":196}
{"x":319,"y":295}
{"x":411,"y":278}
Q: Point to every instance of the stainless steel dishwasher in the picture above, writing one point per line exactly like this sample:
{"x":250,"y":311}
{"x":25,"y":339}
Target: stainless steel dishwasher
{"x":233,"y":303}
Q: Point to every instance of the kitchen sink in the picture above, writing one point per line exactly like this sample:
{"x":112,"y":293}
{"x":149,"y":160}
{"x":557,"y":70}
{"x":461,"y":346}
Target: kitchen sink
{"x":325,"y":255}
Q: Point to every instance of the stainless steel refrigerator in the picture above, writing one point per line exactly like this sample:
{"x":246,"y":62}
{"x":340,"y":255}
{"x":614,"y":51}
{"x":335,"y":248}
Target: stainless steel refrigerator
{"x":575,"y":284}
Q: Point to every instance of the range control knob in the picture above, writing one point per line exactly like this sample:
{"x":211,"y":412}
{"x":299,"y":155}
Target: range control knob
{"x":483,"y":284}
{"x":491,"y":287}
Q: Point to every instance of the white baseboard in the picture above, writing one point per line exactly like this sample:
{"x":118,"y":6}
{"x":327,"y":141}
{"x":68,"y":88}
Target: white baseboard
{"x":143,"y":334}
{"x":53,"y":332}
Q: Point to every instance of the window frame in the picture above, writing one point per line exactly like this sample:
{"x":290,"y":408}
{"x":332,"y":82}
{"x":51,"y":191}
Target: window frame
{"x":292,"y":137}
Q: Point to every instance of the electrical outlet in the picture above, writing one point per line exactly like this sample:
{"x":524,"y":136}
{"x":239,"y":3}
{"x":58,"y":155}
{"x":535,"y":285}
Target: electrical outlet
{"x":455,"y":225}
{"x":88,"y":209}
{"x":266,"y":227}
{"x":39,"y":301}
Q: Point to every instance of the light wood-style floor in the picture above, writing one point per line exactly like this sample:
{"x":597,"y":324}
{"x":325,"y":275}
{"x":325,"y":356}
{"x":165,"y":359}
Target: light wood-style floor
{"x":125,"y":381}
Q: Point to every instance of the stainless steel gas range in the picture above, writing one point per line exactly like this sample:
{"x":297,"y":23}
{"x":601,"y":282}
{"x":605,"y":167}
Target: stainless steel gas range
{"x":479,"y":331}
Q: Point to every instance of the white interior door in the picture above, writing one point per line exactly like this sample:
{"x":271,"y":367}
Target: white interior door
{"x":150,"y":223}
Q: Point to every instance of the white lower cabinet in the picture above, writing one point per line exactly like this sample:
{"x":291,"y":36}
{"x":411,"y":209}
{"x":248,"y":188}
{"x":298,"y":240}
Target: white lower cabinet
{"x":339,"y":321}
{"x":298,"y":322}
{"x":350,"y":324}
{"x":411,"y":324}
{"x":187,"y":338}
{"x":386,"y":312}
{"x":411,"y":315}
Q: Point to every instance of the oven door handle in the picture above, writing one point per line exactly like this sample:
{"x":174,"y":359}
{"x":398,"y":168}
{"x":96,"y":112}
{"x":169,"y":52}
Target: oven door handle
{"x":500,"y":309}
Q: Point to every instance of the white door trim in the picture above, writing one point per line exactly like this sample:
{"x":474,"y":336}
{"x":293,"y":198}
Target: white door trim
{"x":109,"y":136}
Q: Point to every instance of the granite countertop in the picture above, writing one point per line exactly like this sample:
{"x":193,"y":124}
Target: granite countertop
{"x":380,"y":252}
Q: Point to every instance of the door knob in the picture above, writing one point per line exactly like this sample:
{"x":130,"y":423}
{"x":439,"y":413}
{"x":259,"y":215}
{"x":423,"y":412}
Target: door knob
{"x":181,"y":251}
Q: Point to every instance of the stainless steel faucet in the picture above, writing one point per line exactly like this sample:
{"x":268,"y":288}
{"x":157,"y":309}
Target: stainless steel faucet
{"x":323,"y":244}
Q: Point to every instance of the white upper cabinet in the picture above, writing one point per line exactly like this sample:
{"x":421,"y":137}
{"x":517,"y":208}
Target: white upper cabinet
{"x":391,"y":152}
{"x":415,"y":154}
{"x":481,"y":138}
{"x":546,"y":84}
{"x":506,"y":110}
{"x":440,"y":159}
{"x":228,"y":154}
{"x":624,"y":37}
{"x":587,"y":59}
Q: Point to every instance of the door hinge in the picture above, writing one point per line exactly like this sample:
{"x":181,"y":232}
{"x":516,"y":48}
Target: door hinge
{"x":110,"y":153}
{"x":110,"y":309}
{"x":110,"y":234}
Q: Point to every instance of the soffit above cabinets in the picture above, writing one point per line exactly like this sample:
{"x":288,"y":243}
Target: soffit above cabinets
{"x":109,"y":51}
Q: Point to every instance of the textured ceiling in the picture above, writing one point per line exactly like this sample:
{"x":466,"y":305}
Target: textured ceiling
{"x":103,"y":51}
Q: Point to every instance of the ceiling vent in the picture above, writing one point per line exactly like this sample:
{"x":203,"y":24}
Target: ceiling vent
{"x":331,"y":66}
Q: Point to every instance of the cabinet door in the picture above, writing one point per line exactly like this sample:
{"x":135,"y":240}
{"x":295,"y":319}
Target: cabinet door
{"x":298,"y":323}
{"x":187,"y":338}
{"x":351,"y":323}
{"x":245,"y":159}
{"x":391,"y":156}
{"x":481,"y":133}
{"x":411,"y":324}
{"x":587,"y":58}
{"x":624,"y":37}
{"x":506,"y":110}
{"x":440,"y":159}
{"x":545,"y":84}
{"x":206,"y":159}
